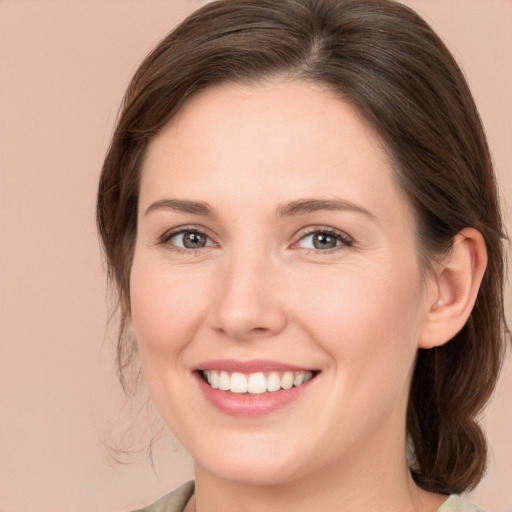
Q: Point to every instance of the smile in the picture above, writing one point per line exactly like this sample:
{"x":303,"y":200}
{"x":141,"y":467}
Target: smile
{"x":255,"y":383}
{"x":252,"y":388}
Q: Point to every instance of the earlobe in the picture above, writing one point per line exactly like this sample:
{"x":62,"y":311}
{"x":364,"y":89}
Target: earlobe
{"x":453,"y":293}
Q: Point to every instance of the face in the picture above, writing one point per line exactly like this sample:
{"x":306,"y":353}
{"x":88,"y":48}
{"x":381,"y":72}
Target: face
{"x":276,"y":259}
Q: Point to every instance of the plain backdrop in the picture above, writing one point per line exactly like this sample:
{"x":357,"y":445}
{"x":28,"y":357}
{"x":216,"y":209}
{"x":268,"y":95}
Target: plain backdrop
{"x":63,"y":69}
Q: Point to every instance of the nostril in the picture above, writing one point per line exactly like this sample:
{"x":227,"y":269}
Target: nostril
{"x":258,"y":330}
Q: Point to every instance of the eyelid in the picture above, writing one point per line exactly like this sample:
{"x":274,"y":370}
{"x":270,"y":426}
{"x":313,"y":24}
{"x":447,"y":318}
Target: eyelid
{"x":344,"y":239}
{"x":192,"y":228}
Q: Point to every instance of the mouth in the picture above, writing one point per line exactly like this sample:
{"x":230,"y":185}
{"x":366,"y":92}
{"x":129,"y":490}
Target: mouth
{"x":252,"y":388}
{"x":256,"y":383}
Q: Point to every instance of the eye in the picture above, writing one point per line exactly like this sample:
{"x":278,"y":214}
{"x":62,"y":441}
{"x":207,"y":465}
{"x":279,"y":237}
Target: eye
{"x":188,"y":239}
{"x":324,"y":239}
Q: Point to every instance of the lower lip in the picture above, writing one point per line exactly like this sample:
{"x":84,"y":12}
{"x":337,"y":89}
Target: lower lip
{"x":250,"y":405}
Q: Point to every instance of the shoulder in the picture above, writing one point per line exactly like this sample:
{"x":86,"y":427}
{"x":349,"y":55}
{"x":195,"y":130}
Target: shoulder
{"x":175,"y":501}
{"x":457,"y":504}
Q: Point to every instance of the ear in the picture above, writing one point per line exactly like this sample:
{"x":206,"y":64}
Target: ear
{"x":453,"y":290}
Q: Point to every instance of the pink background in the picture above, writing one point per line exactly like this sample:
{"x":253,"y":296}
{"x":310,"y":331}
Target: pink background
{"x":63,"y":68}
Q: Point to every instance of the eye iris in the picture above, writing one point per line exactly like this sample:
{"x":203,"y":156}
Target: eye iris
{"x":193,"y":240}
{"x":324,"y":241}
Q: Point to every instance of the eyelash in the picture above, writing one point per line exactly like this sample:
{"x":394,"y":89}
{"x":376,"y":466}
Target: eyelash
{"x":345,"y":240}
{"x":183,"y":250}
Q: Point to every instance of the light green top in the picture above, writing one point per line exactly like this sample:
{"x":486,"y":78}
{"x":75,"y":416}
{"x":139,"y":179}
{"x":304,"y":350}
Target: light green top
{"x":177,"y":500}
{"x":457,"y":504}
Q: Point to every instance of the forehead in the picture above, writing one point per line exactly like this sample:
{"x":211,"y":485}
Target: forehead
{"x":269,"y":143}
{"x":291,"y":110}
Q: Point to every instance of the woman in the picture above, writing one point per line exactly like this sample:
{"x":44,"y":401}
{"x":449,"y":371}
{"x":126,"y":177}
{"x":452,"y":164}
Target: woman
{"x":300,"y":214}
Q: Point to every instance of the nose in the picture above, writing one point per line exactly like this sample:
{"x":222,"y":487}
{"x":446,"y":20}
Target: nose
{"x":248,"y":304}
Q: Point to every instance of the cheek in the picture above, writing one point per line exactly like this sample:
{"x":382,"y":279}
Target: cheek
{"x":165,"y":309}
{"x":367,"y":322}
{"x":367,"y":319}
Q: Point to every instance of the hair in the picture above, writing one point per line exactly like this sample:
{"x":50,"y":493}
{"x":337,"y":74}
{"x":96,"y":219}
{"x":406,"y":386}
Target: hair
{"x":385,"y":60}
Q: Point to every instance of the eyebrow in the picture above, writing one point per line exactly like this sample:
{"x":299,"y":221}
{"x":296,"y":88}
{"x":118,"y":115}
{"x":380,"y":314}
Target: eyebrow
{"x":293,"y":208}
{"x":304,"y":206}
{"x":183,"y":206}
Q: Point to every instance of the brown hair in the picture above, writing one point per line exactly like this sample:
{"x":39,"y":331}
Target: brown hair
{"x":382,"y":57}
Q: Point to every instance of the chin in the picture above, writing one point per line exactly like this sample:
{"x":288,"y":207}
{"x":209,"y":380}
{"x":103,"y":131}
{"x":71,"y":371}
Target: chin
{"x":252,"y":464}
{"x":247,"y":473}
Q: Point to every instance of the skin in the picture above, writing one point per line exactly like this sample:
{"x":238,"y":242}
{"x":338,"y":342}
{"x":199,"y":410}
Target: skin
{"x":260,"y":290}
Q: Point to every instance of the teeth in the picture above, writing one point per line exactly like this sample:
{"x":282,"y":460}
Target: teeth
{"x":299,"y":379}
{"x":273,"y":382}
{"x":213,"y":379}
{"x":287,"y":380}
{"x":255,"y":383}
{"x":238,"y":383}
{"x":224,"y":381}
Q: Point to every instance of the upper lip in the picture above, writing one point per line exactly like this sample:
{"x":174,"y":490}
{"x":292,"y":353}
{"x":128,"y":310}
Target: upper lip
{"x":247,"y":367}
